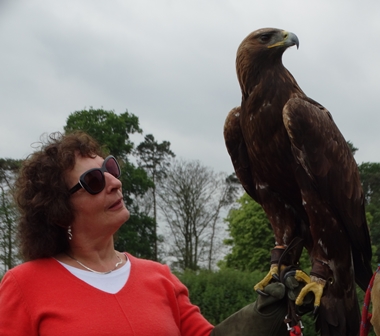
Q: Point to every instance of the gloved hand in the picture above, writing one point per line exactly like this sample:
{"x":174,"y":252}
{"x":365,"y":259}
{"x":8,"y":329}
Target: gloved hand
{"x":263,"y":317}
{"x":266,"y":315}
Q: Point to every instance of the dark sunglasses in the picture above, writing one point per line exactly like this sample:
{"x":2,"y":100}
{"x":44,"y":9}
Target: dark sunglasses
{"x":93,"y":180}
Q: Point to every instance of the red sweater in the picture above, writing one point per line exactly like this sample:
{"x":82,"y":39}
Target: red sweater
{"x":42,"y":298}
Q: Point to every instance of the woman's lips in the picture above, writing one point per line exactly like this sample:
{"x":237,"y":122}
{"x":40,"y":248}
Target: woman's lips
{"x":116,"y":205}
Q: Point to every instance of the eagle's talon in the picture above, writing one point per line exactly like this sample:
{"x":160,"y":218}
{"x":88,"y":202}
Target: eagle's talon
{"x":276,"y":277}
{"x":315,"y":311}
{"x":316,"y":286}
{"x":267,"y":279}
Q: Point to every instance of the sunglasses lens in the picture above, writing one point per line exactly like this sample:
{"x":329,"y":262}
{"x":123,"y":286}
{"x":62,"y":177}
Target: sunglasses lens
{"x":94,"y":180}
{"x":112,"y":167}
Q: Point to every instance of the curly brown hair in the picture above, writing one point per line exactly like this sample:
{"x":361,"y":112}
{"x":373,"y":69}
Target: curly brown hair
{"x":43,"y":197}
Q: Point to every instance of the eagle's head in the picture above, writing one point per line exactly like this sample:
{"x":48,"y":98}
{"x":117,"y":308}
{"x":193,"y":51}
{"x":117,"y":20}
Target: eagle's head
{"x":261,"y":49}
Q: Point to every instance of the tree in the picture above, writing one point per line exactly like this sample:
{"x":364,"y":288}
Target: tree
{"x":113,"y":131}
{"x":154,"y":158}
{"x":137,"y":236}
{"x":370,"y":179}
{"x":8,"y":214}
{"x":108,"y":128}
{"x":251,"y":236}
{"x":191,"y":199}
{"x":8,"y":170}
{"x":352,"y":147}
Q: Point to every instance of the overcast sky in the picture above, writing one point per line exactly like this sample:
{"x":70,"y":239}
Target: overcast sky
{"x":172,"y":64}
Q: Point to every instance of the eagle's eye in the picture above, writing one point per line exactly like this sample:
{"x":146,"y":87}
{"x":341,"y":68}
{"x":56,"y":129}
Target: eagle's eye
{"x":264,"y":38}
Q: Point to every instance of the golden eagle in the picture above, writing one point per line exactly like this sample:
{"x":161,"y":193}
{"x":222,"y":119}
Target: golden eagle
{"x":291,"y":158}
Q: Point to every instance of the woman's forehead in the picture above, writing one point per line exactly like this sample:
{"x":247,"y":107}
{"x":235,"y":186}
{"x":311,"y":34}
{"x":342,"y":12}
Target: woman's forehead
{"x":82,"y":164}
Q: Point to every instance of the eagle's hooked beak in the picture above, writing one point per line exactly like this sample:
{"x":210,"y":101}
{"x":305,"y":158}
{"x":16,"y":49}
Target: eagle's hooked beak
{"x":288,"y":39}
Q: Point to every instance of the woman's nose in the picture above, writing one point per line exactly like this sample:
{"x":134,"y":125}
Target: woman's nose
{"x":112,"y":182}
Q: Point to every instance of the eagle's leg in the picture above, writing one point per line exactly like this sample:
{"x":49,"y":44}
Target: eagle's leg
{"x":319,"y":275}
{"x":274,"y":272}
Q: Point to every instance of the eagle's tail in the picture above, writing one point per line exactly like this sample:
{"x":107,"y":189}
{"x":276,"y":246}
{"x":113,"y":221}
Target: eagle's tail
{"x":363,"y":270}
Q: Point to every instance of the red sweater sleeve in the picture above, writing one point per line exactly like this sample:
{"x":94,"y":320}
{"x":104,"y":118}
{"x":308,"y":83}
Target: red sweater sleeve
{"x":159,"y":282}
{"x":192,"y":321}
{"x":15,"y":318}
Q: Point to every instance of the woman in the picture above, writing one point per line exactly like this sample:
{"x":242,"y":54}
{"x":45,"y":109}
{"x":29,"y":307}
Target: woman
{"x":74,"y":282}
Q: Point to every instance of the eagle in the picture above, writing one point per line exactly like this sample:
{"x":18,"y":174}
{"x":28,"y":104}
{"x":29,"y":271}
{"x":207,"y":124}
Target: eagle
{"x":291,"y":158}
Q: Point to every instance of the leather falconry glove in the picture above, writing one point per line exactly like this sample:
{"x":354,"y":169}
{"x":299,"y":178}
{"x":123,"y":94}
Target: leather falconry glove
{"x":266,"y":315}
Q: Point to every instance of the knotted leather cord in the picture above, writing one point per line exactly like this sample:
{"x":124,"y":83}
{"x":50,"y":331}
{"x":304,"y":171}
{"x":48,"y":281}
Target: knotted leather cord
{"x":292,"y":319}
{"x":293,"y":244}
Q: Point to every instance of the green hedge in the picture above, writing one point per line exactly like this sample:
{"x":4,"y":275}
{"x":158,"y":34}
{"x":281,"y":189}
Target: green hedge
{"x":220,"y":294}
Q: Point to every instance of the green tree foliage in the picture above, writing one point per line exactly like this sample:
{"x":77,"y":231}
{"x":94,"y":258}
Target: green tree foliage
{"x":370,"y":178}
{"x":113,"y":131}
{"x":108,"y":128}
{"x":8,"y":170}
{"x":154,"y":157}
{"x":135,"y":181}
{"x":352,"y":147}
{"x":137,"y":236}
{"x":251,"y":236}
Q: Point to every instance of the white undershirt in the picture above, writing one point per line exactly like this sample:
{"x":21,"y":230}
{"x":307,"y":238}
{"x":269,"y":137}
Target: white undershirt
{"x":110,"y":283}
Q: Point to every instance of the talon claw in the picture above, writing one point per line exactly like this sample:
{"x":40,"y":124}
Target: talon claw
{"x":276,"y":277}
{"x":288,"y":274}
{"x":314,"y":286}
{"x":267,"y":279}
{"x":315,"y":311}
{"x":259,"y":291}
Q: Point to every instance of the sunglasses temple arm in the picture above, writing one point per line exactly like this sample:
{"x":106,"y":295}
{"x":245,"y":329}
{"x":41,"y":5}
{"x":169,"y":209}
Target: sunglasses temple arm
{"x":75,"y":188}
